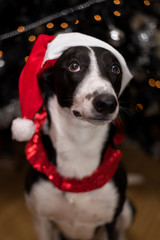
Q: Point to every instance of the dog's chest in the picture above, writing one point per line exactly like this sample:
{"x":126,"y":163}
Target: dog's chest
{"x":76,"y":214}
{"x":78,"y":144}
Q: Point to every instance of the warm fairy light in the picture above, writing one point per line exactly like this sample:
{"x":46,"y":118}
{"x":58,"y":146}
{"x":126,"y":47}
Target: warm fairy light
{"x":158,"y":84}
{"x":26,"y":58}
{"x":2,"y":63}
{"x":20,"y":28}
{"x":1,"y":54}
{"x":147,"y":3}
{"x":117,"y":13}
{"x":76,"y":21}
{"x":64,"y":25}
{"x":139,"y":107}
{"x":117,"y":2}
{"x":152,"y":82}
{"x":97,"y":18}
{"x":32,"y":38}
{"x":50,"y":25}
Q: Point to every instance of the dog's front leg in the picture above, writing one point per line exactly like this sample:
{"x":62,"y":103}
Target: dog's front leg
{"x":125,"y":219}
{"x":101,"y":234}
{"x":45,"y":229}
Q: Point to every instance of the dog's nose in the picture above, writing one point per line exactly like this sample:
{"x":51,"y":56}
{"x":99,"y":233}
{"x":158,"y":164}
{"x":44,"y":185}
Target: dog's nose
{"x":105,"y":103}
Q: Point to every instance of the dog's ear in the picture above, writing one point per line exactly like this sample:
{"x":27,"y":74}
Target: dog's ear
{"x":46,"y":84}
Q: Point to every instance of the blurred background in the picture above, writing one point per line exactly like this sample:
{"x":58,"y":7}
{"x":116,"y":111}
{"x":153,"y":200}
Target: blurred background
{"x":133,"y":28}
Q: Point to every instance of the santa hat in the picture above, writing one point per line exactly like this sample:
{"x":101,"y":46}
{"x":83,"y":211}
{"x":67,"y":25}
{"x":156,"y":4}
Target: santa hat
{"x":45,"y":52}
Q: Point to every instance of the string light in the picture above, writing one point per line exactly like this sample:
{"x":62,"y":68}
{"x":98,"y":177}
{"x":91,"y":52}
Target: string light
{"x":50,"y":25}
{"x":115,"y":35}
{"x":21,"y":29}
{"x":139,"y":107}
{"x":152,"y":82}
{"x":97,"y":18}
{"x":147,"y":3}
{"x":64,"y":25}
{"x":158,"y":84}
{"x":32,"y":38}
{"x":117,"y":13}
{"x":2,"y":63}
{"x":117,"y":2}
{"x":1,"y":54}
{"x":26,"y":58}
{"x":52,"y":17}
{"x":76,"y":21}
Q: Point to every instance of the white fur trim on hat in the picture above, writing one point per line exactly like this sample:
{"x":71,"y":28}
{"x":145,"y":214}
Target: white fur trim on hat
{"x":66,"y":40}
{"x":22,"y":129}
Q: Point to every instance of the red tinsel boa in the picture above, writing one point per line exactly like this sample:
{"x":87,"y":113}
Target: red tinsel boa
{"x":37,"y":157}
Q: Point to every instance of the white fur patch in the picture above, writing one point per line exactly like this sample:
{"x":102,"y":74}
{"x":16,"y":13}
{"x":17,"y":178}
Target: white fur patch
{"x":78,"y":143}
{"x":76,"y":215}
{"x":124,"y":220}
{"x":92,"y":82}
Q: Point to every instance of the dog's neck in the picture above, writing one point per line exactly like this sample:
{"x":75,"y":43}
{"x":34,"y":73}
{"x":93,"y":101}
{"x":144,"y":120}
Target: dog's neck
{"x":78,"y":143}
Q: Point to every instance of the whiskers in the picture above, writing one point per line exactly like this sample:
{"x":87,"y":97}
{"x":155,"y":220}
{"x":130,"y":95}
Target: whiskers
{"x":125,"y":110}
{"x":121,"y":115}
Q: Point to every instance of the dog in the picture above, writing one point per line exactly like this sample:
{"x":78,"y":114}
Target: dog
{"x":81,"y":95}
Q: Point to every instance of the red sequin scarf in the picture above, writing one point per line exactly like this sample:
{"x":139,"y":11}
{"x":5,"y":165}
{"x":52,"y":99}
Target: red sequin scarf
{"x":37,"y":157}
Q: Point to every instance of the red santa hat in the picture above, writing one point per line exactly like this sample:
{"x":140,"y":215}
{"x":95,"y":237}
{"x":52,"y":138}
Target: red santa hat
{"x":45,"y":52}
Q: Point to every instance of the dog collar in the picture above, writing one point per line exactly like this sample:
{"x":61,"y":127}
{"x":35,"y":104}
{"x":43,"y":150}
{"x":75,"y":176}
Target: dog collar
{"x":37,"y":157}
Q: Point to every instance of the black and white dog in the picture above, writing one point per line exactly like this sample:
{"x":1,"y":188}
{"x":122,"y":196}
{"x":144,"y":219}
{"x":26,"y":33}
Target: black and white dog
{"x":81,"y":94}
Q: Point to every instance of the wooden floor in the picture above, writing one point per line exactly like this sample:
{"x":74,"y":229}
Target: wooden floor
{"x":16,"y":222}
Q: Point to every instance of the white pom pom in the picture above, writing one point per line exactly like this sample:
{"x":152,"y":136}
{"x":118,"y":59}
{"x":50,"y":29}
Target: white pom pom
{"x":22,"y":129}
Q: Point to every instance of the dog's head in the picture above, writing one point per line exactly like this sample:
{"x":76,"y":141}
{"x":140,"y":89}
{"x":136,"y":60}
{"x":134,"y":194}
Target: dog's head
{"x":87,"y":81}
{"x":85,"y":74}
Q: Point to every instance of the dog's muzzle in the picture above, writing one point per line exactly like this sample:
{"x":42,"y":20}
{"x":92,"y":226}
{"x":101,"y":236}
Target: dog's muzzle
{"x":99,"y":110}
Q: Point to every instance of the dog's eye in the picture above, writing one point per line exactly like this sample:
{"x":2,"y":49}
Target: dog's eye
{"x":74,"y":67}
{"x":115,"y":69}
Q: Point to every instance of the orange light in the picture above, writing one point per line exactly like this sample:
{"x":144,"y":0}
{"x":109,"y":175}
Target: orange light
{"x":117,"y":2}
{"x":97,"y":18}
{"x":147,"y":3}
{"x":152,"y":82}
{"x":158,"y":84}
{"x":64,"y":25}
{"x":139,"y":107}
{"x":50,"y":25}
{"x":1,"y":54}
{"x":76,"y":21}
{"x":117,"y":13}
{"x":26,"y":58}
{"x":20,"y":28}
{"x":32,"y":38}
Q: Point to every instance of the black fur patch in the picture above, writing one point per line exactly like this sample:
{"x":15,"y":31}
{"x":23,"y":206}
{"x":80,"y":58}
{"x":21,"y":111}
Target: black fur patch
{"x":65,"y":81}
{"x":106,"y":60}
